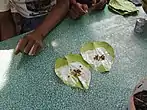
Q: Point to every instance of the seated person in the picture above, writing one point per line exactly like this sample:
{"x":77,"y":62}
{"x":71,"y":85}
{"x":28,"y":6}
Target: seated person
{"x":41,"y":16}
{"x":38,"y":15}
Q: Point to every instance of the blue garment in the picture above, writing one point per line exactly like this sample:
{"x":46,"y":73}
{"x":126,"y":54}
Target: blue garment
{"x":29,"y":24}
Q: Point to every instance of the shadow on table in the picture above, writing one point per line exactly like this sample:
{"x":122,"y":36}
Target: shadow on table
{"x":141,"y":38}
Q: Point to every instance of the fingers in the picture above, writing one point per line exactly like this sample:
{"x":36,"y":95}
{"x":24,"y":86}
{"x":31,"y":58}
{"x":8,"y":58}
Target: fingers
{"x":100,"y":5}
{"x":132,"y":106}
{"x":72,"y":14}
{"x":78,"y":10}
{"x":35,"y":48}
{"x":30,"y":46}
{"x":21,"y":45}
{"x":85,"y":8}
{"x":75,"y":11}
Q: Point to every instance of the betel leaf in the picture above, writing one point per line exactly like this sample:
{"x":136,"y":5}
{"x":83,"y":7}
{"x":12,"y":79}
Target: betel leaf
{"x":73,"y":71}
{"x":122,"y":7}
{"x":100,"y":55}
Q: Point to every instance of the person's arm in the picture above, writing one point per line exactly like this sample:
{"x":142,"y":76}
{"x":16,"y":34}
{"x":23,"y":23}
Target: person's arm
{"x":7,"y":25}
{"x":55,"y":16}
{"x":32,"y":43}
{"x":132,"y":106}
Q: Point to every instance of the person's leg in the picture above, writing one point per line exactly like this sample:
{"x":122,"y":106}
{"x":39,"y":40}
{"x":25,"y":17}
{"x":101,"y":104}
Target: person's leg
{"x":29,"y":24}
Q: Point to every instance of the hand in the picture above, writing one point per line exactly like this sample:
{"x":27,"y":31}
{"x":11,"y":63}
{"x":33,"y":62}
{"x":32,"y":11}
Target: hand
{"x":73,"y":1}
{"x":132,"y":106}
{"x":98,"y":5}
{"x":30,"y":44}
{"x":77,"y":10}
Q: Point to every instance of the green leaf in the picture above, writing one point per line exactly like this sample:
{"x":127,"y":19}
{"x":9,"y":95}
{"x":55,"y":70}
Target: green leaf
{"x":100,"y":55}
{"x":105,"y":45}
{"x":122,"y":7}
{"x":101,"y":68}
{"x":73,"y":71}
{"x":76,"y":58}
{"x":61,"y":62}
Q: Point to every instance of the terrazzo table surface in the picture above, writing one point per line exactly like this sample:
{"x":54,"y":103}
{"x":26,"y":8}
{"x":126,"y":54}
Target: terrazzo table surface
{"x":29,"y":83}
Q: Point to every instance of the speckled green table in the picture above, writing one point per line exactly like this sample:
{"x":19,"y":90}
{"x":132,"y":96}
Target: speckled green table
{"x":29,"y":83}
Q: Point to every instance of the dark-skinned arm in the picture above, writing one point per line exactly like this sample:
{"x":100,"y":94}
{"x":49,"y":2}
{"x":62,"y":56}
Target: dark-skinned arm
{"x":7,"y":25}
{"x":32,"y":43}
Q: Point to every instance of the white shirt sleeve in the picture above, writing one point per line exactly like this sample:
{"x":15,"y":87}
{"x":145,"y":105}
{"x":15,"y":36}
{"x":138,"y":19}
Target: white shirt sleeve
{"x":4,"y":5}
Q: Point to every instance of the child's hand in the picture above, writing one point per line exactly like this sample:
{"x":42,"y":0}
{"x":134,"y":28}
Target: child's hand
{"x":77,"y":10}
{"x":30,"y":44}
{"x":99,"y":4}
